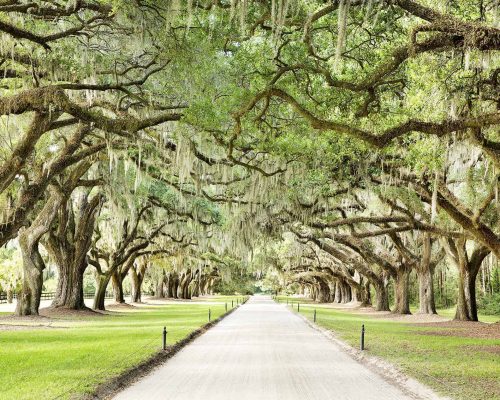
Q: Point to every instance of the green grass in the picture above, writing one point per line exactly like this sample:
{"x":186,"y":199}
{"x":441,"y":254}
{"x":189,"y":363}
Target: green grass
{"x":74,"y":356}
{"x":459,"y":367}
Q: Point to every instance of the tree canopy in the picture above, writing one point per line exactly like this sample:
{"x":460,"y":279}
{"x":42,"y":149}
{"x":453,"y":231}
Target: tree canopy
{"x":329,"y":146}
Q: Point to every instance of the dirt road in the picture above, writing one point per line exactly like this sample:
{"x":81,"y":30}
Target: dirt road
{"x":262,"y":351}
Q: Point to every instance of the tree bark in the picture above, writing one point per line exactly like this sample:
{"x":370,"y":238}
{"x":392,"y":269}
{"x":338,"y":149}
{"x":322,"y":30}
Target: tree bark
{"x":425,"y":272}
{"x":364,"y":295}
{"x":427,"y":304}
{"x":69,"y":292}
{"x":338,"y":293}
{"x":402,"y":291}
{"x":323,"y":291}
{"x":100,"y":294}
{"x":136,"y":278}
{"x":117,"y":282}
{"x":68,"y":245}
{"x":28,"y":301}
{"x":346,"y":292}
{"x":183,"y":289}
{"x":171,"y":289}
{"x":468,"y":268}
{"x":160,"y":284}
{"x":381,"y":297}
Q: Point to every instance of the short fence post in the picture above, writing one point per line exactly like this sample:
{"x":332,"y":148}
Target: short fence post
{"x":209,"y":315}
{"x":363,"y":337}
{"x":232,"y":303}
{"x":298,"y":307}
{"x":226,"y":307}
{"x":314,"y":315}
{"x":164,"y":338}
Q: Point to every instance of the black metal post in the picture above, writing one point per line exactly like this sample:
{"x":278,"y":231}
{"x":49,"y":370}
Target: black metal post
{"x":226,"y":307}
{"x":298,"y":307}
{"x":314,"y":315}
{"x":232,"y":303}
{"x":164,"y":338}
{"x":209,"y":315}
{"x":363,"y":337}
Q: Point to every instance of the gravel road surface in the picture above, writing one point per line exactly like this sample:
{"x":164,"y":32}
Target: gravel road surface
{"x":262,"y":351}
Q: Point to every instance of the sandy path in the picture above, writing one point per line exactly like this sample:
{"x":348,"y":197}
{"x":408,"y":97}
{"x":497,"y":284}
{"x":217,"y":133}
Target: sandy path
{"x":262,"y":351}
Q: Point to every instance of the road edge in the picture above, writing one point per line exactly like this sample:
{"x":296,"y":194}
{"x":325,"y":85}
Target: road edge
{"x":388,"y":371}
{"x":111,"y":387}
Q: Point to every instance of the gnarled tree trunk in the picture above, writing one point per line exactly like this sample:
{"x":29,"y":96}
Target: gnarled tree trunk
{"x":68,"y":244}
{"x":28,"y":301}
{"x":468,"y":268}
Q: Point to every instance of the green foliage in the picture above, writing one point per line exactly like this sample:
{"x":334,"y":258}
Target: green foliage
{"x":238,"y":284}
{"x":490,"y":304}
{"x":10,"y":269}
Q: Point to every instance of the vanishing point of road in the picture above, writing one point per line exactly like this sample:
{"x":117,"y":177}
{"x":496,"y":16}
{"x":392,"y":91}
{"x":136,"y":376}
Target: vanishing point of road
{"x":262,"y":351}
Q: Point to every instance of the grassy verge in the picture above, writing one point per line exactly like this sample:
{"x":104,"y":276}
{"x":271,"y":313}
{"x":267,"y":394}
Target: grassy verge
{"x":61,"y":357}
{"x":442,"y":355}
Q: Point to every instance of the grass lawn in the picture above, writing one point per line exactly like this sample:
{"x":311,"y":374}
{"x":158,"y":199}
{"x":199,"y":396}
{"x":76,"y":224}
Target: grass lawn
{"x":68,"y":356}
{"x":445,"y":358}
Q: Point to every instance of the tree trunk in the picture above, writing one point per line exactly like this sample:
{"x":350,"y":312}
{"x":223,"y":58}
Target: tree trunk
{"x":175,"y":285}
{"x":427,"y":304}
{"x":194,"y":285}
{"x":381,"y":297}
{"x":425,"y":273}
{"x":28,"y":300}
{"x":183,"y":289}
{"x":365,"y":296}
{"x":117,"y":282}
{"x":68,"y":244}
{"x":468,"y":268}
{"x":354,"y":295}
{"x":402,"y":291}
{"x":160,"y":286}
{"x":346,"y":292}
{"x":323,"y":291}
{"x":338,"y":293}
{"x":466,"y":302}
{"x":69,"y":293}
{"x":136,"y":279}
{"x":100,"y":294}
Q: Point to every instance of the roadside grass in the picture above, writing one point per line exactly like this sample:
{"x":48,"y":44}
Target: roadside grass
{"x":455,"y":366}
{"x":67,"y":356}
